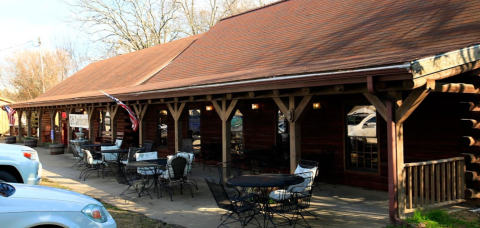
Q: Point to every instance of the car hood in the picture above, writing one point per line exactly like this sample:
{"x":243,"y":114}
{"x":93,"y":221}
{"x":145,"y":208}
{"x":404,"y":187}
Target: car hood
{"x":42,"y":198}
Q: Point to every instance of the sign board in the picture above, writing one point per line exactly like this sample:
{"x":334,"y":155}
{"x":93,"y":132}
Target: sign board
{"x":78,"y":120}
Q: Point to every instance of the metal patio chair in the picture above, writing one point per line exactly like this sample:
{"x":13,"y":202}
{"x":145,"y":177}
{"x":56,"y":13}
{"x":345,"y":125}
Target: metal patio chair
{"x":133,"y":181}
{"x":176,"y":172}
{"x":239,"y":210}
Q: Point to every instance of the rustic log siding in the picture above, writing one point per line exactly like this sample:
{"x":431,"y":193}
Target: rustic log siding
{"x":211,"y":125}
{"x":45,"y":122}
{"x":259,"y":126}
{"x":433,"y":130}
{"x":324,"y":129}
{"x":151,"y":121}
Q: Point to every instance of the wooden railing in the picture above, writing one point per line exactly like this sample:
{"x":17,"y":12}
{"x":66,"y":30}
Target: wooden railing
{"x":433,"y":183}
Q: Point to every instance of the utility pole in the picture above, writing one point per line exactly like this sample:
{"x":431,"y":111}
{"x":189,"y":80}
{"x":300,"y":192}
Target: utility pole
{"x":41,"y":63}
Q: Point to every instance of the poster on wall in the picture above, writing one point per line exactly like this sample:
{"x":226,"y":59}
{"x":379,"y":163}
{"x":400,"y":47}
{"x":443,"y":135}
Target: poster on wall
{"x":78,"y":120}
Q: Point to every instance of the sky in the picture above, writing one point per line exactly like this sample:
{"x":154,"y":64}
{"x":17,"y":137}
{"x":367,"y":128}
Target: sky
{"x":23,"y":21}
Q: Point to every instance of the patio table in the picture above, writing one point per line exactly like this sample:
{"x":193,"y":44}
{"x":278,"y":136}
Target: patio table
{"x":266,"y":183}
{"x":118,"y":153}
{"x":155,"y":165}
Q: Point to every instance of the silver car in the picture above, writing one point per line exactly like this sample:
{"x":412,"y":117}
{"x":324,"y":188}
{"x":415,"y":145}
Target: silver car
{"x":31,"y":205}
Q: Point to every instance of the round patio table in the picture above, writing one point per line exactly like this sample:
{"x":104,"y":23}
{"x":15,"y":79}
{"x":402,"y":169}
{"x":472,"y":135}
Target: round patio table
{"x":266,"y":183}
{"x":155,"y":165}
{"x":118,"y":153}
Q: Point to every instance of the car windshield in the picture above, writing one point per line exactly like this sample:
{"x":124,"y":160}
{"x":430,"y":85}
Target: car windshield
{"x":355,"y":119}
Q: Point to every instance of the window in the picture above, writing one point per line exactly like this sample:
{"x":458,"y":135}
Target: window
{"x":193,"y":130}
{"x":283,"y":136}
{"x":362,"y":149}
{"x":105,"y":121}
{"x":237,"y":131}
{"x":162,"y":128}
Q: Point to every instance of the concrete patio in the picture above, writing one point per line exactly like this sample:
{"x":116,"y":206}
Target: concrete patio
{"x":340,"y":206}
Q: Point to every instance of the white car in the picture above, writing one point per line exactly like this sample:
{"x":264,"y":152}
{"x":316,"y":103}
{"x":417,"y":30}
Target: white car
{"x":32,"y":206}
{"x":19,"y":164}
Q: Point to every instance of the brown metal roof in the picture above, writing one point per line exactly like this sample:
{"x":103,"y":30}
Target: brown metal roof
{"x":121,"y":71}
{"x":313,"y":35}
{"x":292,"y":37}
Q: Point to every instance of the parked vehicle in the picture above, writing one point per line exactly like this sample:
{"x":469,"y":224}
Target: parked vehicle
{"x":32,"y":206}
{"x":19,"y":164}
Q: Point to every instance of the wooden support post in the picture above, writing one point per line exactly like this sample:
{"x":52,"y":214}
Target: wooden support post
{"x":140,"y":110}
{"x":112,"y":110}
{"x":20,"y":125}
{"x":90,"y":113}
{"x":226,"y":113}
{"x":28,"y":116}
{"x":176,"y":114}
{"x":40,"y":127}
{"x":294,"y":115}
{"x":68,"y":111}
{"x":52,"y":113}
{"x":395,"y":113}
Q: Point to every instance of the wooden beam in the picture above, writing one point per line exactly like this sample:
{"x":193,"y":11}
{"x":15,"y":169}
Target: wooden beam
{"x":68,"y":111}
{"x":20,"y":124}
{"x":378,"y":104}
{"x":140,"y":110}
{"x":90,"y":112}
{"x":410,"y":104}
{"x":226,"y":113}
{"x":176,"y":112}
{"x":40,"y":126}
{"x":442,"y":87}
{"x":299,"y":110}
{"x":281,"y":105}
{"x":113,"y":111}
{"x":28,"y":116}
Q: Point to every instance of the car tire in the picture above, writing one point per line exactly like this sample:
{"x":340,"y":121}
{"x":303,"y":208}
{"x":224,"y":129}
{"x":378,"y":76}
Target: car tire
{"x":7,"y":177}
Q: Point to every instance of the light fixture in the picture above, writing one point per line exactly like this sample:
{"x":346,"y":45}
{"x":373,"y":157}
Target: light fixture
{"x":255,"y":106}
{"x":209,"y":108}
{"x":316,"y":105}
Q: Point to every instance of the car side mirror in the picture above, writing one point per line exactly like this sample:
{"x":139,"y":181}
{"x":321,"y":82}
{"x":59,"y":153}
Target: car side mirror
{"x":6,"y":190}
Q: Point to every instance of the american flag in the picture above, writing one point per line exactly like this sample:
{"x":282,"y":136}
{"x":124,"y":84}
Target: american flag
{"x":132,"y":115}
{"x":11,"y":115}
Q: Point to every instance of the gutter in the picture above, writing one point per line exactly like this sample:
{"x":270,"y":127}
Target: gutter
{"x":405,"y":66}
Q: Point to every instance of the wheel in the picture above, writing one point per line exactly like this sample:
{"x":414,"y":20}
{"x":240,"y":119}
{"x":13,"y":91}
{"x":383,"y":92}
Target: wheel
{"x":7,"y":177}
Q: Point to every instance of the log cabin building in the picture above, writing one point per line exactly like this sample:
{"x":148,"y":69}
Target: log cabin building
{"x":384,"y":94}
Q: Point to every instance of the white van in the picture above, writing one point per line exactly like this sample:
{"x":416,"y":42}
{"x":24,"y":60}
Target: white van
{"x":19,"y":164}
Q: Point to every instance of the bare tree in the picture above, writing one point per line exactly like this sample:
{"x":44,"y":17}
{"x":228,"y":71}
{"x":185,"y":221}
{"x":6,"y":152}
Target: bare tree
{"x":126,"y":25}
{"x":201,"y":15}
{"x":27,"y":74}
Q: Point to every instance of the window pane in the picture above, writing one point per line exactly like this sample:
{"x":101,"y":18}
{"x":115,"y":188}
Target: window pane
{"x":194,"y":128}
{"x":162,"y":128}
{"x":362,"y":149}
{"x":237,"y":131}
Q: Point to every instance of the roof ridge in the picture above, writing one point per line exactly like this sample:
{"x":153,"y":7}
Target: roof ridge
{"x":254,"y":9}
{"x":171,"y":60}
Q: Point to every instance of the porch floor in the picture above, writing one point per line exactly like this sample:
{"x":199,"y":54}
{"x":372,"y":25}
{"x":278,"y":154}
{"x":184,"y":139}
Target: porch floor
{"x":340,"y":206}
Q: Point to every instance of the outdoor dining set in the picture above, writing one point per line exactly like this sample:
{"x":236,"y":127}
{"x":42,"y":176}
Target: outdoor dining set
{"x":137,"y":167}
{"x":247,"y":196}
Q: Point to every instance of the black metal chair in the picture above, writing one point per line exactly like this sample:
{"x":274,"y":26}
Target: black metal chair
{"x":301,"y":199}
{"x":77,"y":155}
{"x":236,"y":209}
{"x":149,"y":145}
{"x":296,"y":198}
{"x":225,"y":171}
{"x":134,"y":181}
{"x":176,"y":172}
{"x":92,"y":164}
{"x":131,"y":157}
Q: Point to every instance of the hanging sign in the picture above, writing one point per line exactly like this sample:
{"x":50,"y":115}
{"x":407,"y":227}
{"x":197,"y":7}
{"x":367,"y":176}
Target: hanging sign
{"x":78,"y":120}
